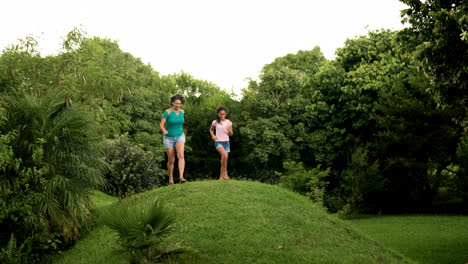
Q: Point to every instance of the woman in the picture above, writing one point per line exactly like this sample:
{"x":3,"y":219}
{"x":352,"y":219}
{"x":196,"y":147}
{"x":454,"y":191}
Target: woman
{"x":171,"y":126}
{"x":223,"y":128}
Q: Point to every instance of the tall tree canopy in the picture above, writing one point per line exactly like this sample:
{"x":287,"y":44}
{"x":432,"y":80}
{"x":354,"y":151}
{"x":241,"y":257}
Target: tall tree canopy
{"x":438,"y":33}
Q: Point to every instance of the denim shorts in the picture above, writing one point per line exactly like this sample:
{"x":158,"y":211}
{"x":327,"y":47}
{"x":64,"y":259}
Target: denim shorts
{"x":169,"y":142}
{"x":224,"y":144}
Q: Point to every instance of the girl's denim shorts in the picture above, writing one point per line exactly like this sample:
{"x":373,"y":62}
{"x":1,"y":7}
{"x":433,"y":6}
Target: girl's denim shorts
{"x":224,"y":144}
{"x":169,"y":142}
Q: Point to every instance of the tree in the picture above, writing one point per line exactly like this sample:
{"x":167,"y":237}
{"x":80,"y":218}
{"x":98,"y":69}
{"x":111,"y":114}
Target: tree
{"x":438,"y":34}
{"x":372,"y":109}
{"x":306,"y":61}
{"x":22,"y":67}
{"x":273,"y":116}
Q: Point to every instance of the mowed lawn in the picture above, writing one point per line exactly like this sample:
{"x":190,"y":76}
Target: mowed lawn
{"x":423,"y":238}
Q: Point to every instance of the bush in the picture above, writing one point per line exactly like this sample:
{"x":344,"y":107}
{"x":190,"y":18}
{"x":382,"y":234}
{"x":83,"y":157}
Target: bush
{"x":131,"y":169}
{"x":462,"y":175}
{"x":361,"y":179}
{"x":142,"y":225}
{"x":306,"y":182}
{"x":333,"y":202}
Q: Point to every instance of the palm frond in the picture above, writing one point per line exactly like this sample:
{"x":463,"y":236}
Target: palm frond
{"x":140,"y":224}
{"x":60,"y":153}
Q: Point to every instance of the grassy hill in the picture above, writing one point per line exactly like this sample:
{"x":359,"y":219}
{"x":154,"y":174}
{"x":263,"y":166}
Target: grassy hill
{"x":242,"y":222}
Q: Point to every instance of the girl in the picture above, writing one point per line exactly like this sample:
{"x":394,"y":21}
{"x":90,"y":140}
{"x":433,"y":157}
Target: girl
{"x":223,"y":128}
{"x":171,"y":126}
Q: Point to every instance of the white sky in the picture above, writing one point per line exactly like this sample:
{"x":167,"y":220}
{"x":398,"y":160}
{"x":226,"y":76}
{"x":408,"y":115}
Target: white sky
{"x":215,"y":40}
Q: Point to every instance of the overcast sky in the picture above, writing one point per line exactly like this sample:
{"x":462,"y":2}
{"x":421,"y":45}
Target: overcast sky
{"x":215,"y":40}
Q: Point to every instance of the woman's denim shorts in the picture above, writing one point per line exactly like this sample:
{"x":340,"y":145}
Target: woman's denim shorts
{"x":169,"y":142}
{"x":224,"y":144}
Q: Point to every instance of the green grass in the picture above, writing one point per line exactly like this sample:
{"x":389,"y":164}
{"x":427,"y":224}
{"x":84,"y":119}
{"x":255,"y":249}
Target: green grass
{"x":242,"y":222}
{"x":101,"y":200}
{"x":424,"y":238}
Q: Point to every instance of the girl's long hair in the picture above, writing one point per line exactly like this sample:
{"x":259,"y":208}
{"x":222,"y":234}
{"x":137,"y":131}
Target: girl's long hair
{"x":221,"y":108}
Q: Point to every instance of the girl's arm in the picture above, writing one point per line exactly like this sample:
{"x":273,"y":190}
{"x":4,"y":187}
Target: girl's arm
{"x":212,"y":133}
{"x":229,"y":129}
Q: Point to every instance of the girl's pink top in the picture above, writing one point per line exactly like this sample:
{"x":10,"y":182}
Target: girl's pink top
{"x":221,"y":129}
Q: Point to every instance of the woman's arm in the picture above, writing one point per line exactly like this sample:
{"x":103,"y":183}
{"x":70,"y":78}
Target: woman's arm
{"x":162,"y":126}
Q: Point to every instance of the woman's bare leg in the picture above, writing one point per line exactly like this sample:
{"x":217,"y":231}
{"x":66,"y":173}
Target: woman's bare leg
{"x":181,"y":159}
{"x":170,"y":163}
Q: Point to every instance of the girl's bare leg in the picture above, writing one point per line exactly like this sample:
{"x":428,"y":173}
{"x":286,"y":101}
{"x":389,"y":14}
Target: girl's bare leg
{"x":224,"y":158}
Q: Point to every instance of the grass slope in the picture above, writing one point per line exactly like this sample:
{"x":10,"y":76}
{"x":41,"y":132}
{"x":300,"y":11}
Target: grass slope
{"x":244,"y":222}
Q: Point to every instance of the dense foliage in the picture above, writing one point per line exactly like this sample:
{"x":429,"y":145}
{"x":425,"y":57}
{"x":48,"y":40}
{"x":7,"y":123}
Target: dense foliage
{"x":439,"y":37}
{"x":130,"y":168}
{"x":381,"y":128}
{"x":49,"y":162}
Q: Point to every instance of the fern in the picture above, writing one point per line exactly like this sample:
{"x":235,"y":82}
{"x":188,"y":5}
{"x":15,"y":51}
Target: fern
{"x":12,"y":254}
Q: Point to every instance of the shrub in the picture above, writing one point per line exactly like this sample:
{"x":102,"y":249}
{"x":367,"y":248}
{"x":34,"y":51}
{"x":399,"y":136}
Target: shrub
{"x":141,"y":224}
{"x":333,"y":202}
{"x":306,"y":182}
{"x":360,"y":180}
{"x":462,"y":175}
{"x":131,"y":169}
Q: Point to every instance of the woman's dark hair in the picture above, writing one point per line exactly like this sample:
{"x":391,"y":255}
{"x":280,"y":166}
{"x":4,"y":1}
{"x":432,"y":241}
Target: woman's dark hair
{"x":178,"y":97}
{"x":221,"y":108}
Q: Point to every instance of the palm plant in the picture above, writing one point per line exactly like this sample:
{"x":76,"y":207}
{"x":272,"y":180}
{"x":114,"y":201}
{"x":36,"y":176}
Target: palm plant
{"x":141,"y":224}
{"x":57,"y":163}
